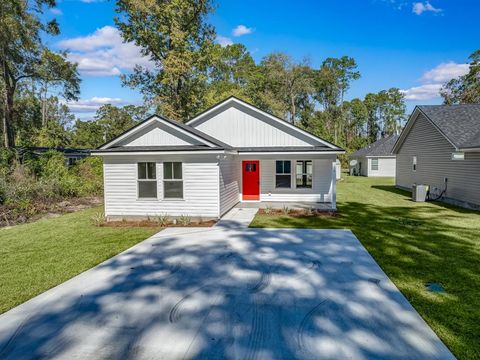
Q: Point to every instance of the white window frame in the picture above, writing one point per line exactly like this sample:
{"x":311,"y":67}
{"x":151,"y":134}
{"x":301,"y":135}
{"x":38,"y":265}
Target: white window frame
{"x":290,"y":173}
{"x":147,"y":180}
{"x":304,"y":187}
{"x":164,"y":180}
{"x":414,"y":163}
{"x":371,"y":164}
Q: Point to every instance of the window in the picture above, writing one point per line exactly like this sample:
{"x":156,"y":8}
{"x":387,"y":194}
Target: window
{"x":414,"y":163}
{"x":172,"y":180}
{"x":374,"y":164}
{"x":304,"y":173}
{"x":250,"y":167}
{"x":147,"y":180}
{"x":283,"y":174}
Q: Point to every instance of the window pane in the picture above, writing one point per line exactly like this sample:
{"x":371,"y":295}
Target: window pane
{"x":282,"y":181}
{"x":177,"y":170}
{"x":167,"y":170}
{"x":279,"y":167}
{"x":299,"y":168}
{"x":309,"y":181}
{"x":286,"y":167}
{"x":299,"y":180}
{"x":309,"y":167}
{"x":147,"y":189}
{"x":173,"y":189}
{"x":142,"y":170}
{"x":151,"y":173}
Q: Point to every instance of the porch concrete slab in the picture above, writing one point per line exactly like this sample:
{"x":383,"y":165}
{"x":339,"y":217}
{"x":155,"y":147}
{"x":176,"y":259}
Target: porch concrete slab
{"x":293,"y":205}
{"x":222,"y":293}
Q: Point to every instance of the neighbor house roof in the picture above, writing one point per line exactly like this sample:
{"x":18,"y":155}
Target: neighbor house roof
{"x":459,"y":124}
{"x":381,"y":147}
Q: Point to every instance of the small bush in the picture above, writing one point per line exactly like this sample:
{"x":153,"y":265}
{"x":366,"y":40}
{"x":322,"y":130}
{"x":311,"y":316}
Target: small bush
{"x":285,"y":210}
{"x":98,"y":219}
{"x":163,"y":220}
{"x":184,"y":220}
{"x":268,"y":210}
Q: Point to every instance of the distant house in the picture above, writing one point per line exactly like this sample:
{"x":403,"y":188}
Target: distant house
{"x":440,"y":147}
{"x":71,"y":154}
{"x":375,"y":159}
{"x":231,"y":152}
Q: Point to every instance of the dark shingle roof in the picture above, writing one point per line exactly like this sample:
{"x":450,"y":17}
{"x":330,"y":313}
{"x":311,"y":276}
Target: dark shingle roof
{"x":381,"y":147}
{"x":459,"y":123}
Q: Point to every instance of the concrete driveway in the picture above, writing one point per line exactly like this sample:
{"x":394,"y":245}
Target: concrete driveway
{"x":234,"y":293}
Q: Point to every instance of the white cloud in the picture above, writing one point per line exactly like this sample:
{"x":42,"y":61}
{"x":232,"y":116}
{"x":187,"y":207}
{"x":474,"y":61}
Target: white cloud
{"x":423,"y":92}
{"x":92,"y":104}
{"x":433,"y":80}
{"x":419,"y":8}
{"x":445,"y":72}
{"x":103,"y":53}
{"x":241,"y":30}
{"x":223,"y":40}
{"x":56,"y":11}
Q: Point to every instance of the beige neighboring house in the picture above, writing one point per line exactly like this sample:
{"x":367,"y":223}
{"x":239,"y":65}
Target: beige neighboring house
{"x":375,"y":159}
{"x":440,"y":147}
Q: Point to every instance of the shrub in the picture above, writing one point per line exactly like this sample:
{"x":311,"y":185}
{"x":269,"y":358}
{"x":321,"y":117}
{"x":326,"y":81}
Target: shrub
{"x":163,"y":220}
{"x":268,"y":210}
{"x":90,"y":176}
{"x":98,"y":219}
{"x":184,"y":220}
{"x":285,"y":210}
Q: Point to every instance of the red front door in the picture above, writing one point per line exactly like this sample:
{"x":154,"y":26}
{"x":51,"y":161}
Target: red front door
{"x":251,"y":179}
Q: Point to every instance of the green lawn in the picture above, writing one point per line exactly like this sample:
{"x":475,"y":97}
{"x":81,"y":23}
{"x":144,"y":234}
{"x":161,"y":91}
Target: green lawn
{"x":414,"y":243}
{"x":37,"y":256}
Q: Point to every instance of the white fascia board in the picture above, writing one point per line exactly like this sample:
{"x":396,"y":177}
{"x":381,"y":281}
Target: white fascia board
{"x":469,"y":149}
{"x":154,"y":119}
{"x":283,"y":122}
{"x":381,"y":156}
{"x":136,"y":153}
{"x":291,"y":153}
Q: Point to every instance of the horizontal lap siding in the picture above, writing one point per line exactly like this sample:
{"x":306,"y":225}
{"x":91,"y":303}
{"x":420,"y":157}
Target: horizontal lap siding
{"x":230,"y":178}
{"x":200,"y":186}
{"x":321,"y":190}
{"x":386,"y":167}
{"x":434,"y":163}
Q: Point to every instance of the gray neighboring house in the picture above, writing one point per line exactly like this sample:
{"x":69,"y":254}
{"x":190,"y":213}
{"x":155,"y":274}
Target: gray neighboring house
{"x":440,"y":147}
{"x":375,"y":159}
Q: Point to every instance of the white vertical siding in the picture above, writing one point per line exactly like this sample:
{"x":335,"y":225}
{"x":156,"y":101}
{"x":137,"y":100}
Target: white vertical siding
{"x":159,"y":134}
{"x":200,"y":187}
{"x":230,"y":181}
{"x":434,"y":163}
{"x":322,"y":187}
{"x":243,"y":128}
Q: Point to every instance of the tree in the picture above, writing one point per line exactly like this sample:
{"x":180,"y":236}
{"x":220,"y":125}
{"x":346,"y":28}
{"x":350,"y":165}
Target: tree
{"x":464,"y":89}
{"x":356,"y":117}
{"x":286,"y":85}
{"x":58,"y":76}
{"x":56,"y":132}
{"x":391,"y":106}
{"x":20,"y":51}
{"x":175,"y":37}
{"x":332,"y":81}
{"x":230,"y":72}
{"x":87,"y":134}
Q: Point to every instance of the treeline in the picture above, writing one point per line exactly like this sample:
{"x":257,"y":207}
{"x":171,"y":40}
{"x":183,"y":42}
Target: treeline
{"x":188,"y":72}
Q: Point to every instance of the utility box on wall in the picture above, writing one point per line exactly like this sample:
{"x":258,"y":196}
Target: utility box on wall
{"x":419,"y":192}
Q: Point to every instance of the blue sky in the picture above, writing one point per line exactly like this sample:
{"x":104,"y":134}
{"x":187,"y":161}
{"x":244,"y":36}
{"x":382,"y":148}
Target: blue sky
{"x":412,"y":45}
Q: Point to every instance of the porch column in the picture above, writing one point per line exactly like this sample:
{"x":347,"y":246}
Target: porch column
{"x":334,"y":184}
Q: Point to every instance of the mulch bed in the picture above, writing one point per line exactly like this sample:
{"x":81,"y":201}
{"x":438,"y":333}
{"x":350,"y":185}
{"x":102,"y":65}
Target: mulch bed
{"x":153,"y":224}
{"x":299,"y":213}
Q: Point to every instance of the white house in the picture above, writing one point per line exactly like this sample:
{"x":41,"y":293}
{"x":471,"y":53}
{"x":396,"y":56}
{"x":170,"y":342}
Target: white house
{"x":376,"y":159}
{"x":229,"y":153}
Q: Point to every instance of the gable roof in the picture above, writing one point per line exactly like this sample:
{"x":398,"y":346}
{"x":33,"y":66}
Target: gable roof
{"x":459,"y":124}
{"x":381,"y":147}
{"x":234,"y":100}
{"x":194,"y":133}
